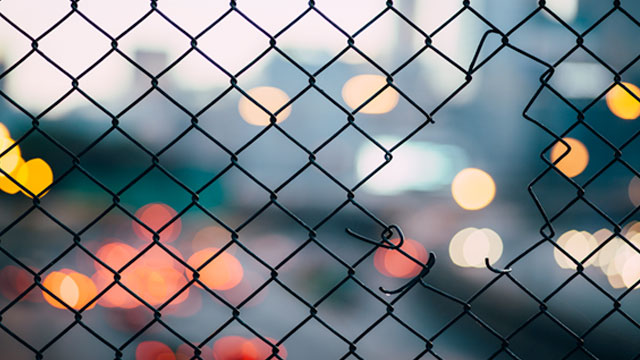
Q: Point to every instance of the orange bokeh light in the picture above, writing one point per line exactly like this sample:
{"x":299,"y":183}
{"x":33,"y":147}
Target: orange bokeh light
{"x":75,"y":289}
{"x":393,"y":263}
{"x":155,"y":276}
{"x":154,"y":350}
{"x":222,"y":273}
{"x":621,"y":103}
{"x":574,"y":163}
{"x":155,"y":216}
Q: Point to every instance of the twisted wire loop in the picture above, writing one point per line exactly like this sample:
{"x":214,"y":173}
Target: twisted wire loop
{"x":433,"y":339}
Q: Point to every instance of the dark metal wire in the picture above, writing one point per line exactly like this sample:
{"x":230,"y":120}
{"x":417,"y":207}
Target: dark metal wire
{"x":430,"y":341}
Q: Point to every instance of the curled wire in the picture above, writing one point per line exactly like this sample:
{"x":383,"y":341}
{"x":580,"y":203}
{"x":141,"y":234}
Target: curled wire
{"x":386,"y":244}
{"x":385,"y":236}
{"x":417,"y":279}
{"x":494,"y":269}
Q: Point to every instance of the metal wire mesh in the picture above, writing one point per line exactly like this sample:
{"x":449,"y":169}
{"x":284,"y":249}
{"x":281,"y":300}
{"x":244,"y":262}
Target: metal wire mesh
{"x":389,"y":300}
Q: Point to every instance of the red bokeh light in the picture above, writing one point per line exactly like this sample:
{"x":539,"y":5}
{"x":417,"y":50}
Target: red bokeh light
{"x":115,"y":255}
{"x":234,"y":348}
{"x":14,"y":281}
{"x":393,"y":263}
{"x":155,"y":216}
{"x":154,"y":350}
{"x":239,"y":348}
{"x":185,"y":352}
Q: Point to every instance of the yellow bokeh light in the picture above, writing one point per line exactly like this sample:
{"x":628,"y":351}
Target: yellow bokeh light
{"x":4,"y":132}
{"x":10,"y":160}
{"x":35,"y":175}
{"x":360,"y":88}
{"x":270,"y":98}
{"x":634,"y":191}
{"x":473,"y":189}
{"x":575,"y":161}
{"x":578,"y":244}
{"x":9,"y":186}
{"x":469,"y":247}
{"x":621,"y":103}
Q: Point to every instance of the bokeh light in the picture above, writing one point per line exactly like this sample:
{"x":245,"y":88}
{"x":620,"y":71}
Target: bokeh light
{"x":222,"y":273}
{"x":9,"y":185}
{"x":471,"y":246}
{"x":4,"y":131}
{"x":473,"y":189}
{"x":9,"y":162}
{"x":360,"y":88}
{"x":270,"y":98}
{"x":240,"y":348}
{"x":155,"y":276}
{"x":75,"y":289}
{"x":156,"y":216}
{"x":392,"y":263}
{"x":116,"y":296}
{"x":578,"y":244}
{"x":154,"y":350}
{"x":631,"y":270}
{"x":265,"y":350}
{"x":607,"y":253}
{"x":634,"y":191}
{"x":574,"y":163}
{"x":185,"y":352}
{"x":631,"y":229}
{"x":36,"y":176}
{"x":115,"y":255}
{"x":621,"y":103}
{"x":623,"y":269}
{"x":234,"y":348}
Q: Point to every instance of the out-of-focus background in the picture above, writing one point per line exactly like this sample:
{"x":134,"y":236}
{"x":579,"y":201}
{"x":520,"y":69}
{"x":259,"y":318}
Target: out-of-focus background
{"x":457,"y":187}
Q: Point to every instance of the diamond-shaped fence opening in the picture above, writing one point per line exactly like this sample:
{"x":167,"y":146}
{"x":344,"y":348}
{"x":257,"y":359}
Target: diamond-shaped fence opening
{"x":319,"y":179}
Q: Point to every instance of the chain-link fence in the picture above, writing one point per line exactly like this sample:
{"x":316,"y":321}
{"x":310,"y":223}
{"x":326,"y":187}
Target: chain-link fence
{"x":274,"y":180}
